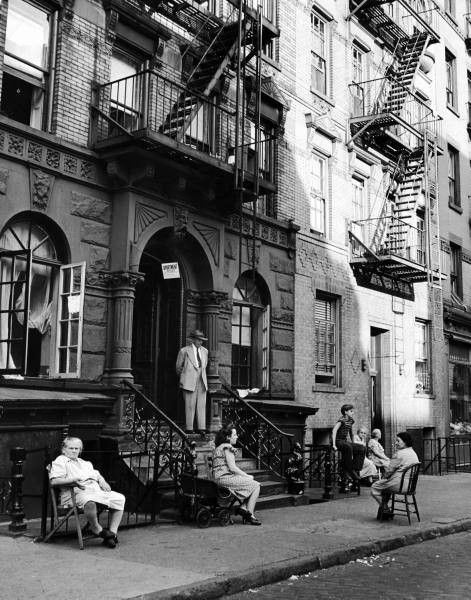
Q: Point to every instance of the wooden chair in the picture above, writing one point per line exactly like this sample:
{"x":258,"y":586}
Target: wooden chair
{"x":406,"y":493}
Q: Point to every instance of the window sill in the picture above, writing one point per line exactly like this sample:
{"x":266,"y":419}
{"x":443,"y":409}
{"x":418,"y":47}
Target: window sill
{"x":452,"y":109}
{"x":322,"y":96}
{"x":455,"y":207}
{"x":317,"y":234}
{"x":272,"y":62}
{"x":324,"y":387}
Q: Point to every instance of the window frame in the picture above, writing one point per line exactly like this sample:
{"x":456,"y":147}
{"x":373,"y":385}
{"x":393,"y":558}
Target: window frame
{"x":58,"y":346}
{"x":456,"y":272}
{"x":42,"y":83}
{"x":319,"y":53}
{"x":318,"y":195}
{"x":323,"y":377}
{"x":450,"y":80}
{"x":454,"y":195}
{"x":423,"y":372}
{"x":359,"y":183}
{"x":358,"y":76}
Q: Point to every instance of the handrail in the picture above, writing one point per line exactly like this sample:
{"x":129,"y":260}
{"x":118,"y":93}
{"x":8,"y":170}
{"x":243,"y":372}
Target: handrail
{"x":259,"y":437}
{"x":230,"y":391}
{"x":154,"y":407}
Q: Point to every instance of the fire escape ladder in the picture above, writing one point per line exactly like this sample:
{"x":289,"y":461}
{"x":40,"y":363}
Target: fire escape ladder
{"x":381,"y":228}
{"x":411,"y":187}
{"x":406,"y":70}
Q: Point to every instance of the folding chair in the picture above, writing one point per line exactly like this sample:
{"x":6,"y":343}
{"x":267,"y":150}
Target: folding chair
{"x":61,"y":514}
{"x":406,"y":493}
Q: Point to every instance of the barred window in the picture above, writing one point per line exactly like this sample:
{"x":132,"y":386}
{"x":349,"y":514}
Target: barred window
{"x":326,"y":367}
{"x":422,"y":357}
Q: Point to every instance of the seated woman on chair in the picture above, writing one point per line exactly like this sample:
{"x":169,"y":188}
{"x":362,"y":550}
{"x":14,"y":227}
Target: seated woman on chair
{"x":90,"y":489}
{"x":376,"y":451}
{"x":381,"y":490}
{"x":368,"y":470}
{"x":228,"y":474}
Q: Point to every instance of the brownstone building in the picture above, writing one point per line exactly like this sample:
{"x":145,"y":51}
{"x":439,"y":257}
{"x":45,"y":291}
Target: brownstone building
{"x":139,"y":166}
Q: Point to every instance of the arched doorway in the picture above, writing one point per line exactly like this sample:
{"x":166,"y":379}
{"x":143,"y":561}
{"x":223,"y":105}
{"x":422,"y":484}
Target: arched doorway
{"x":160,"y":315}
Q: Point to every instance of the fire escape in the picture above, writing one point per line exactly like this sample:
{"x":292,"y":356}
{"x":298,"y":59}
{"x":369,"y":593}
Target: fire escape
{"x":399,"y":245}
{"x":185,"y":120}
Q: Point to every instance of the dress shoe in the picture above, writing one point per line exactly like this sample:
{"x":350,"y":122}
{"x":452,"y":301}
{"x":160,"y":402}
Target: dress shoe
{"x":189,"y":431}
{"x":111,"y":542}
{"x":243,"y":512}
{"x":106,"y":534}
{"x":251,"y":520}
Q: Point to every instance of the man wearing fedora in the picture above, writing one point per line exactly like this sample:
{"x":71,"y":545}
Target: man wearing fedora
{"x":191,"y":369}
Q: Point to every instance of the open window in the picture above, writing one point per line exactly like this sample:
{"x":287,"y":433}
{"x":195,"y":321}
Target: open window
{"x":26,"y":64}
{"x":250,"y":333}
{"x":41,"y":302}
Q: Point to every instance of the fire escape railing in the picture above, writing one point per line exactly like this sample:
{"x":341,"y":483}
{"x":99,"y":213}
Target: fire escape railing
{"x":399,"y":239}
{"x":258,"y":436}
{"x":384,"y":96}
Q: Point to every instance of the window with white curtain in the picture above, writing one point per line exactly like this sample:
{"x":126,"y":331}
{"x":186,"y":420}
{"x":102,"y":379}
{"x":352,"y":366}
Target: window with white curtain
{"x":34,"y":293}
{"x":422,"y":357}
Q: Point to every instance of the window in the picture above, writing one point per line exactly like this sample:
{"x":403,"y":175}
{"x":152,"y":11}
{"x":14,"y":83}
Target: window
{"x":318,"y":193}
{"x":319,"y":54}
{"x":420,"y":257}
{"x":266,"y":151}
{"x":26,"y":65}
{"x":326,"y":344}
{"x":422,"y":358}
{"x":358,"y":76}
{"x":460,"y":382}
{"x":125,"y":92}
{"x":250,"y":333}
{"x":453,"y":177}
{"x":35,"y":290}
{"x":456,"y":283}
{"x":358,"y":207}
{"x":450,"y":61}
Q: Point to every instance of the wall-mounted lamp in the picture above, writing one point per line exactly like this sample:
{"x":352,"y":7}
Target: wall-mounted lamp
{"x":363,"y":364}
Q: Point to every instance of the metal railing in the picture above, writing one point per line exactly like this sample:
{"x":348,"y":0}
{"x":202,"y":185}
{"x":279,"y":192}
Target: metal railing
{"x":156,"y":434}
{"x":385,"y":96}
{"x":258,"y":436}
{"x":447,"y":455}
{"x":397,"y":238}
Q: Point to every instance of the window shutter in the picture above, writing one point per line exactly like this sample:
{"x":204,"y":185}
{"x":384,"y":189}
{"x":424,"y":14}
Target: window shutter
{"x":70,"y":320}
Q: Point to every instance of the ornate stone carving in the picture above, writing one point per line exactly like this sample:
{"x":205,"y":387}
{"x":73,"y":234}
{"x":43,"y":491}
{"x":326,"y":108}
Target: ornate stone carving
{"x":145,"y":216}
{"x":70,"y":164}
{"x":87,"y":170}
{"x":16,"y":145}
{"x":211,"y":238}
{"x":180,"y":220}
{"x":41,"y":188}
{"x":35,"y":152}
{"x":253,"y":254}
{"x":112,"y":17}
{"x":3,"y":181}
{"x":68,"y":10}
{"x":122,"y":278}
{"x":53,"y":158}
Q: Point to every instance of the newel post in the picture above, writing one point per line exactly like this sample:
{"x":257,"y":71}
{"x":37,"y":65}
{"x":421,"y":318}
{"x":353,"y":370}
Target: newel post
{"x":17,"y":457}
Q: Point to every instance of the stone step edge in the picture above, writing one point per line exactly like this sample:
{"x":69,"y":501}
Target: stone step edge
{"x":217,"y":587}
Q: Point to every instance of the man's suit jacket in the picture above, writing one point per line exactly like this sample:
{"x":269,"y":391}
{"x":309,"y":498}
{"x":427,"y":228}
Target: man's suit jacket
{"x":187,"y":367}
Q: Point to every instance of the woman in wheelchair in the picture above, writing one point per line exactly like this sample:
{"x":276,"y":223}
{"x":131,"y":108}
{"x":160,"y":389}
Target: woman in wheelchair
{"x":227,"y":473}
{"x":89,"y":488}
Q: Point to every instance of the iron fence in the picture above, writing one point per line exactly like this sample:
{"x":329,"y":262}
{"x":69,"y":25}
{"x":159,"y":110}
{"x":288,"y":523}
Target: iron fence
{"x":447,"y":455}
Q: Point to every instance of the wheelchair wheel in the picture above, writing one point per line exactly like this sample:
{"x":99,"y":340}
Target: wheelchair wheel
{"x":224,"y":517}
{"x":203,"y":517}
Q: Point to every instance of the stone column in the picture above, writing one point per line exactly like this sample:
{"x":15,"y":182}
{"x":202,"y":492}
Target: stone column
{"x":210,"y":306}
{"x":123,"y":286}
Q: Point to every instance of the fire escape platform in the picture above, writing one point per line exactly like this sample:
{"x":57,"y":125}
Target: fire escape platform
{"x":392,"y":265}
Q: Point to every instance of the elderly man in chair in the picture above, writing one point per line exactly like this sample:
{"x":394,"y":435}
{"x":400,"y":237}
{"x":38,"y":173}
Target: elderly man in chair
{"x":191,"y":369}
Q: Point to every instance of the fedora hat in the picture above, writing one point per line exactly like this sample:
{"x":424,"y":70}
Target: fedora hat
{"x":197,"y":334}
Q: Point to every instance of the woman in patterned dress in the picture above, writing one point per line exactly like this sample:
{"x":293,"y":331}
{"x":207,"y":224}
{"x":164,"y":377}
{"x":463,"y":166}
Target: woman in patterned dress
{"x":90,"y":489}
{"x":227,"y":473}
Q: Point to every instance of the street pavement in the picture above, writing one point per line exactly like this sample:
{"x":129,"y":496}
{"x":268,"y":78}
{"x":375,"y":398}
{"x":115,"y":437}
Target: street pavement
{"x":170,"y":561}
{"x":435,"y":569}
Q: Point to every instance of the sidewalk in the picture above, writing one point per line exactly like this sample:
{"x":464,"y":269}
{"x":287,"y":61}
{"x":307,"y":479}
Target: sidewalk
{"x":169,"y":561}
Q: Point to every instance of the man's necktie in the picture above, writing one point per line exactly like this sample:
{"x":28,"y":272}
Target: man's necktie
{"x":198,"y":357}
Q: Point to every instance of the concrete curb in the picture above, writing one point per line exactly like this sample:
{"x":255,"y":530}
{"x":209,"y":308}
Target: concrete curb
{"x":216,"y":587}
